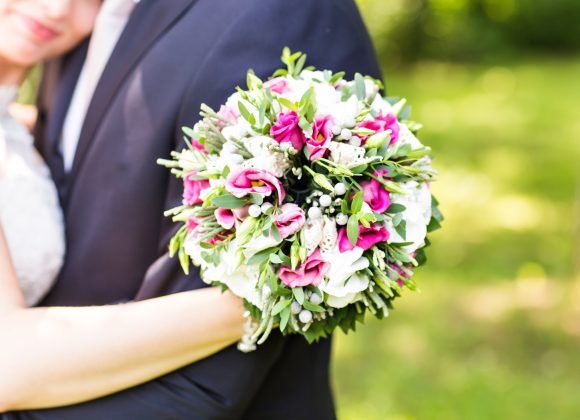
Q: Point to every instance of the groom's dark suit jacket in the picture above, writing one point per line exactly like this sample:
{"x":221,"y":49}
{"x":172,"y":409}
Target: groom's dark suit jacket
{"x":174,"y":55}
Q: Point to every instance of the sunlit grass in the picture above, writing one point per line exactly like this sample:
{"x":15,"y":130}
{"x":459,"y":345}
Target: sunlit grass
{"x":495,"y":331}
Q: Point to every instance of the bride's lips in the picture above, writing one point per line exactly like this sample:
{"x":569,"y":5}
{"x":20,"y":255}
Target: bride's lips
{"x":39,"y":30}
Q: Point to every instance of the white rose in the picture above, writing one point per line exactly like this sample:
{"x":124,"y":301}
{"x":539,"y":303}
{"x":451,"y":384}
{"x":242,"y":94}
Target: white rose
{"x":417,"y":214}
{"x":241,"y":279}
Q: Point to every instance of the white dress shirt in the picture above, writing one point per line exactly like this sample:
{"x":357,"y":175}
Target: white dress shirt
{"x":109,"y":25}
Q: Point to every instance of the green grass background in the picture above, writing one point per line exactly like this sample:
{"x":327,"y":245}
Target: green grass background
{"x":494,"y":332}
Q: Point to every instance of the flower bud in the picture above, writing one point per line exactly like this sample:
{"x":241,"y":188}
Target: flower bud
{"x":254,"y":210}
{"x":340,"y":189}
{"x":295,"y":308}
{"x":305,"y":316}
{"x":325,"y":200}
{"x":316,"y":299}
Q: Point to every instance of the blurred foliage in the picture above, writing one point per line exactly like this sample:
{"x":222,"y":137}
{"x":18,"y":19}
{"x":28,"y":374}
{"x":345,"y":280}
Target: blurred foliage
{"x":406,"y":30}
{"x":495,"y":331}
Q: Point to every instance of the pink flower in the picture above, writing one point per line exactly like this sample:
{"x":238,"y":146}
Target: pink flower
{"x":321,"y":136}
{"x":310,"y":272}
{"x":197,"y":145}
{"x":192,"y":188}
{"x":246,"y":181}
{"x":375,"y":195}
{"x":227,"y":218}
{"x":192,"y":224}
{"x":229,"y":114}
{"x":400,"y":275}
{"x":277,"y":85}
{"x":367,"y":237}
{"x":382,"y":123}
{"x":290,"y":220}
{"x":287,"y":130}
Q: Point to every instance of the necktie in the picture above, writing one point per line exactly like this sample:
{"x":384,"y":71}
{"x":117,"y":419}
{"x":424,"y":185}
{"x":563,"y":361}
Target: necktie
{"x":109,"y":25}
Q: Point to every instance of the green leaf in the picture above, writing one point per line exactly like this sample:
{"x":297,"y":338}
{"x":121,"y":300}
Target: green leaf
{"x":280,"y":306}
{"x":298,"y":293}
{"x":275,"y":259}
{"x":357,"y":203}
{"x":288,"y":104}
{"x":352,"y":230}
{"x":324,"y":182}
{"x":184,"y":260}
{"x":312,"y":307}
{"x":284,"y":318}
{"x":401,"y":229}
{"x":396,"y":208}
{"x":228,"y":201}
{"x":257,"y":198}
{"x":336,"y":77}
{"x":262,"y":256}
{"x":359,"y":87}
{"x":246,"y":114}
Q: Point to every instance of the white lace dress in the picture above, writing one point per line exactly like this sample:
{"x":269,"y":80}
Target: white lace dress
{"x":30,"y":214}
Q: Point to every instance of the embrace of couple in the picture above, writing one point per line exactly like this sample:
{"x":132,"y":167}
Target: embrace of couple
{"x":112,"y":328}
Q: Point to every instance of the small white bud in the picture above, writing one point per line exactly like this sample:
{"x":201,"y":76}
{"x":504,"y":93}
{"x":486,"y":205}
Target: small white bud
{"x":340,"y":189}
{"x":314,"y":213}
{"x":314,"y":203}
{"x":341,"y":219}
{"x":350,"y":122}
{"x":336,"y":130}
{"x":316,"y":299}
{"x":338,"y":202}
{"x":305,"y":316}
{"x":266,"y":206}
{"x":325,"y":200}
{"x":345,"y":134}
{"x":355,"y":141}
{"x":295,"y":308}
{"x":254,"y":210}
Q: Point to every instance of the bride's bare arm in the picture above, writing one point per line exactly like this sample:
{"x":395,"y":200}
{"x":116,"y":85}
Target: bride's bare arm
{"x":59,"y":356}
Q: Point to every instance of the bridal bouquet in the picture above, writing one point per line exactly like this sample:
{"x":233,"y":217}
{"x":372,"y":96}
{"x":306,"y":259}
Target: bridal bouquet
{"x":308,"y":196}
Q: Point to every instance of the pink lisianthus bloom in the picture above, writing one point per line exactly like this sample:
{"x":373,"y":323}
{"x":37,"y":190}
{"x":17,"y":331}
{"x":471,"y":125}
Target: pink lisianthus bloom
{"x":227,"y":218}
{"x":192,"y":188}
{"x":318,"y":144}
{"x":367,"y":237}
{"x":246,"y":181}
{"x":287,"y":130}
{"x":197,"y":145}
{"x":277,"y":85}
{"x":192,"y":224}
{"x":229,"y":114}
{"x":308,"y":273}
{"x":380,"y":124}
{"x":375,"y":195}
{"x":290,"y":220}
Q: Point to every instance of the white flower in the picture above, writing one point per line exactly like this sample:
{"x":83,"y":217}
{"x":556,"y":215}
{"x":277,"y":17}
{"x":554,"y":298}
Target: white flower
{"x":381,"y":106}
{"x":349,"y":293}
{"x":342,"y":111}
{"x":258,"y":244}
{"x":192,"y":248}
{"x":241,"y":279}
{"x":417,"y":214}
{"x":329,"y":234}
{"x":311,"y":233}
{"x":346,"y":154}
{"x":406,"y":137}
{"x":264,"y":158}
{"x":343,"y":283}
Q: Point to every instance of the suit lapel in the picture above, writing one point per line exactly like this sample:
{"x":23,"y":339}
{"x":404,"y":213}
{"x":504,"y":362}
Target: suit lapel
{"x":149,"y":20}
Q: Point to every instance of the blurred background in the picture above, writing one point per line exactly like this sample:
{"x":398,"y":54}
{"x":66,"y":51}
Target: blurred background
{"x":495,"y":330}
